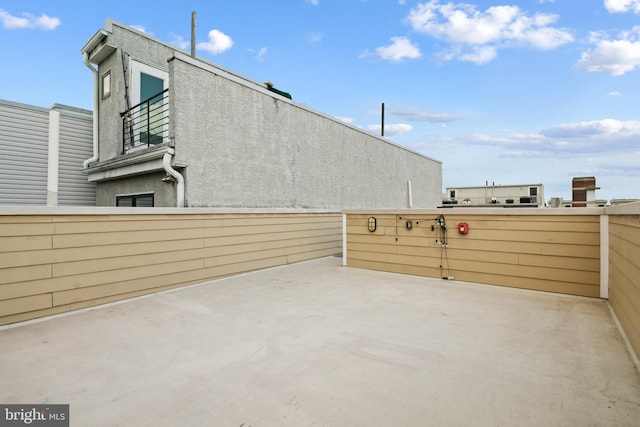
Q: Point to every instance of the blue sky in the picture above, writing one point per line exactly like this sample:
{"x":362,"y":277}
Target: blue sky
{"x":510,"y":92}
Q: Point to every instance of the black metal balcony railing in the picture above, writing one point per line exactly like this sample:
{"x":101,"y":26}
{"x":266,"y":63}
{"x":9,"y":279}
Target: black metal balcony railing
{"x":146,"y":123}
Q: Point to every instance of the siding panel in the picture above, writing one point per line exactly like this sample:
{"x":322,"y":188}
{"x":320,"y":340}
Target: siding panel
{"x":624,"y":273}
{"x":76,"y":145}
{"x":57,"y":263}
{"x":546,"y":252}
{"x":24,"y":132}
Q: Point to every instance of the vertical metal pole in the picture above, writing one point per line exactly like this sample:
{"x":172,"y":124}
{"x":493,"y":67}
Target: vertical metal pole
{"x":149,"y":123}
{"x":193,"y":34}
{"x":382,"y":127}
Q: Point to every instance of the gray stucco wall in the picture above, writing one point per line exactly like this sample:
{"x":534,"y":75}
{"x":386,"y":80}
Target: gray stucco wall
{"x":164,"y":193}
{"x":243,"y":146}
{"x":251,"y":148}
{"x":131,"y":45}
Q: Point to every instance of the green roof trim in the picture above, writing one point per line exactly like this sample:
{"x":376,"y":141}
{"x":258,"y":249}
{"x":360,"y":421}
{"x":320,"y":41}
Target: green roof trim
{"x":279,"y":92}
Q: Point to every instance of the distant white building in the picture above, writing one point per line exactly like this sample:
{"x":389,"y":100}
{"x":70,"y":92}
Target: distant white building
{"x":520,"y":195}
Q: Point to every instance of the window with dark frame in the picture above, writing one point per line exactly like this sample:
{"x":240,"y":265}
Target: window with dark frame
{"x":533,"y":191}
{"x":135,"y":200}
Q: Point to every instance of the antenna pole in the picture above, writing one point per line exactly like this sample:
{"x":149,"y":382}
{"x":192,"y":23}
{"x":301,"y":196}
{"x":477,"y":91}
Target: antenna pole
{"x":193,"y":34}
{"x":382,"y":127}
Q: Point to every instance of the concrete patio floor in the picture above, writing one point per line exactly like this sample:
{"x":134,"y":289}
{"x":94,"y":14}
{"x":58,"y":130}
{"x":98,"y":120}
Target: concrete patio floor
{"x":319,"y":344}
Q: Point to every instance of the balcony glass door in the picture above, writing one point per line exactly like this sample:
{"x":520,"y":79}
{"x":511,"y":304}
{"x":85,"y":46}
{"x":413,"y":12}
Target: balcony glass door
{"x":151,"y":109}
{"x":147,"y":84}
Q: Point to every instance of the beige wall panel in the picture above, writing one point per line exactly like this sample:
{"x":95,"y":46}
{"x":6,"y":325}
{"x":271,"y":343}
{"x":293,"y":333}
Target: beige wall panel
{"x":553,"y":274}
{"x":95,"y":252}
{"x":29,"y":315}
{"x":624,"y":274}
{"x":306,"y":256}
{"x":243,"y":248}
{"x":624,"y":297}
{"x":180,"y":273}
{"x":239,"y":221}
{"x":537,"y":236}
{"x":334,"y":247}
{"x":629,"y":233}
{"x":118,"y":238}
{"x":253,"y":229}
{"x":481,"y":256}
{"x":545,"y":252}
{"x":24,"y":243}
{"x":25,"y":229}
{"x":115,"y":276}
{"x":511,"y":223}
{"x":138,"y":224}
{"x":102,"y":258}
{"x":117,"y":263}
{"x":32,"y":287}
{"x":245,"y":257}
{"x":216,"y":272}
{"x":494,"y":246}
{"x":24,"y":274}
{"x":579,"y":251}
{"x":568,"y":262}
{"x":395,"y":268}
{"x":21,"y":305}
{"x":556,"y":286}
{"x":24,"y":219}
{"x":626,"y":220}
{"x":373,"y":247}
{"x":336,"y":239}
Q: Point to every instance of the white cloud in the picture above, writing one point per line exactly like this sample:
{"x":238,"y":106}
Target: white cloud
{"x":476,"y":36}
{"x":611,"y":130}
{"x":28,"y":21}
{"x":565,"y":140}
{"x":417,"y":115}
{"x":218,"y":42}
{"x":315,"y":37}
{"x":615,"y":57}
{"x":615,"y":93}
{"x":313,"y":2}
{"x":141,"y":29}
{"x":401,"y":48}
{"x":180,"y":42}
{"x":391,"y":129}
{"x":622,"y":6}
{"x":260,"y":53}
{"x":479,"y":55}
{"x":349,"y":120}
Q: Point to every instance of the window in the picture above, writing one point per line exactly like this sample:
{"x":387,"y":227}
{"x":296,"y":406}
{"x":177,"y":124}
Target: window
{"x":452,"y":194}
{"x":533,"y":191}
{"x":135,"y":200}
{"x":106,"y":85}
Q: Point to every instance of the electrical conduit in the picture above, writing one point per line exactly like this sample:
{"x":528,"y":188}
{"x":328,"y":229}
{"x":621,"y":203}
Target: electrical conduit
{"x":166,"y":162}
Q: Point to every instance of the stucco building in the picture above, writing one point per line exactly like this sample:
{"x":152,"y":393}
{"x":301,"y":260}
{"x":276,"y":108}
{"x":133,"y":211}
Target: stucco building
{"x":518,"y":195}
{"x":174,"y":130}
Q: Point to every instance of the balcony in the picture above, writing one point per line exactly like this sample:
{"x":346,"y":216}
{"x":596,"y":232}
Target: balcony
{"x":146,"y":124}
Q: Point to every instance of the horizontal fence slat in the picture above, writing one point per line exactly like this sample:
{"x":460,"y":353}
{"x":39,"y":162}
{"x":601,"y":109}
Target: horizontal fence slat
{"x":74,"y":261}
